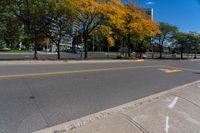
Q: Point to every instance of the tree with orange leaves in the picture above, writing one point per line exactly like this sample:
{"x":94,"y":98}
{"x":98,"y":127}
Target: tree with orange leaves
{"x":136,"y":23}
{"x":92,"y":14}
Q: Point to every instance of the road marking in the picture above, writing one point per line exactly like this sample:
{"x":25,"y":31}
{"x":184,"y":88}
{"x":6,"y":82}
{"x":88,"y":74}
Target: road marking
{"x":167,"y":126}
{"x":181,"y":68}
{"x":75,"y":71}
{"x":173,"y":103}
{"x":140,"y":60}
{"x":170,"y":70}
{"x":167,"y":69}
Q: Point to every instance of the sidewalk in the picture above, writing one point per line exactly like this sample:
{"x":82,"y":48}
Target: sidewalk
{"x":173,"y":111}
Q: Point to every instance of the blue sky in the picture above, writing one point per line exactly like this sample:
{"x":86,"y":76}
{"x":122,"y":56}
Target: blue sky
{"x":184,"y":14}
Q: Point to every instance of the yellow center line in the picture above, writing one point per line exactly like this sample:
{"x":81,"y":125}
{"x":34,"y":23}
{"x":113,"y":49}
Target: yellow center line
{"x":182,"y":68}
{"x":92,"y":70}
{"x":75,"y":71}
{"x":170,"y":70}
{"x":140,"y":60}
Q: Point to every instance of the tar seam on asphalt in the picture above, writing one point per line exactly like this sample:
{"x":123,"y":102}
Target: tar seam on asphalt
{"x":32,"y":97}
{"x":196,"y":72}
{"x":85,"y":78}
{"x":37,"y":106}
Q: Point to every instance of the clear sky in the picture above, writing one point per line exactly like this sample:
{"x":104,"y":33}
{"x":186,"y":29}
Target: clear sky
{"x":184,"y":14}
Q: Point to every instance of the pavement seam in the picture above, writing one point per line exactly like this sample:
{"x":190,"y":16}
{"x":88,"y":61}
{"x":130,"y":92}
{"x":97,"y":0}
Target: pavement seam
{"x":36,"y":105}
{"x":136,"y":124}
{"x":181,"y":97}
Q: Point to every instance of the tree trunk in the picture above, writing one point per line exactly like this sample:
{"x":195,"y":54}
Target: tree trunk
{"x":161,"y":42}
{"x":35,"y":47}
{"x":161,"y":50}
{"x":7,"y":42}
{"x":85,"y":39}
{"x":108,"y":51}
{"x":85,"y":49}
{"x":85,"y":45}
{"x":152,"y":51}
{"x":129,"y":45}
{"x":181,"y":52}
{"x":195,"y":56}
{"x":181,"y":55}
{"x":35,"y":52}
{"x":58,"y":51}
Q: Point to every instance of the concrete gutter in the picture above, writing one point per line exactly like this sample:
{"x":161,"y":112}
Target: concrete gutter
{"x":46,"y":62}
{"x":173,"y":111}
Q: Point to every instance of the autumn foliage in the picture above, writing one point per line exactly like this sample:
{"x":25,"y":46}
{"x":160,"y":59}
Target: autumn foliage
{"x":61,"y":20}
{"x":102,"y":15}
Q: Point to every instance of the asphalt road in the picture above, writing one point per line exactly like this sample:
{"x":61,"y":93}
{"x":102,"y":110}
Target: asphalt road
{"x":37,"y":96}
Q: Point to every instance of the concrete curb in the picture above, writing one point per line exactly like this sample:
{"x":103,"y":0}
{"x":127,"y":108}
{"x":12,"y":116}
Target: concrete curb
{"x":68,"y":126}
{"x":46,"y":62}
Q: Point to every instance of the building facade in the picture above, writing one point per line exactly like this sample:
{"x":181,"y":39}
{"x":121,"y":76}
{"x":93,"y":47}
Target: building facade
{"x":150,"y":13}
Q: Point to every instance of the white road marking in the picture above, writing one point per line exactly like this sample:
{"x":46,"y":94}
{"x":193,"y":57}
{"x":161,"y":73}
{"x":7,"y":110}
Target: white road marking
{"x":173,"y":103}
{"x":167,"y":124}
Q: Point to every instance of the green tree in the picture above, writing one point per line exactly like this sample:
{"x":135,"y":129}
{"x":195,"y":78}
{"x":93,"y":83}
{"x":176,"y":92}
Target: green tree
{"x":10,"y":31}
{"x":186,"y":42}
{"x":195,"y":42}
{"x":10,"y":27}
{"x":32,"y":15}
{"x":167,"y":33}
{"x":60,"y":21}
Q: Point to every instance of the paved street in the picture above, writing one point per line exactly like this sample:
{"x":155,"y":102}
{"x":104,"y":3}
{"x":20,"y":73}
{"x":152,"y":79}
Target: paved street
{"x":37,"y":96}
